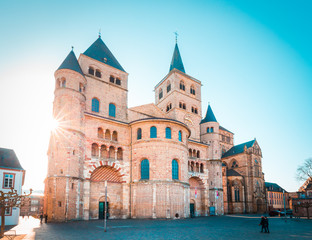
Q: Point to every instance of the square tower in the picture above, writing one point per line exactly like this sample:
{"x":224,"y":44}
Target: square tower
{"x":179,"y":95}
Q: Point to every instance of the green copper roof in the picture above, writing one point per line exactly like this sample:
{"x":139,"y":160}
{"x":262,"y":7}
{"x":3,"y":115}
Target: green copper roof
{"x":273,"y":187}
{"x":176,"y":61}
{"x":238,"y":149}
{"x":210,"y":117}
{"x":71,"y":63}
{"x":100,"y":52}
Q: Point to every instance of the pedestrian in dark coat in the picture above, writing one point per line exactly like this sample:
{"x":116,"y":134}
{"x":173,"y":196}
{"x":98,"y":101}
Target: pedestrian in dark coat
{"x":46,"y":218}
{"x":262,"y":223}
{"x":41,"y":217}
{"x":266,"y":225}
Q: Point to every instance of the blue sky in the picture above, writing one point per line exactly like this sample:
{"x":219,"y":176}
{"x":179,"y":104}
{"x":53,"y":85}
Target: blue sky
{"x":253,"y":58}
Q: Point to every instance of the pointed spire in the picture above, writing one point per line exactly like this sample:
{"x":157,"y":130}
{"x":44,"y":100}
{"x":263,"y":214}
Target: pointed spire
{"x":100,"y":52}
{"x":176,"y":61}
{"x":210,"y":117}
{"x":71,"y":63}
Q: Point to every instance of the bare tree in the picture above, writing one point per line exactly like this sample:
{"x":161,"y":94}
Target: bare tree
{"x":304,"y":171}
{"x":8,"y":200}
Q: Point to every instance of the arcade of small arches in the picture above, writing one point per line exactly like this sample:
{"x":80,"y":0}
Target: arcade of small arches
{"x":195,"y":167}
{"x":107,"y":135}
{"x":106,"y":152}
{"x":194,"y":154}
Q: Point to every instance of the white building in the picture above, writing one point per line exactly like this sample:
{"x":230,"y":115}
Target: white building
{"x":11,"y":175}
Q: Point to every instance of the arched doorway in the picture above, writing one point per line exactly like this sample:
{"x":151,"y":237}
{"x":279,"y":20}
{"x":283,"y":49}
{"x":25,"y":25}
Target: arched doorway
{"x":97,"y":192}
{"x":259,"y":206}
{"x":197,"y":203}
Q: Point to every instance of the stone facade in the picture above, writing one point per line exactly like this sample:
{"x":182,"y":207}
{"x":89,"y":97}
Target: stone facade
{"x":159,"y":159}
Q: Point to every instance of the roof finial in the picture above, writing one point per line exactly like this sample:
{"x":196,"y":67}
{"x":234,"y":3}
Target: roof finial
{"x":100,"y":33}
{"x":72,"y":48}
{"x":208,"y":103}
{"x":176,"y":36}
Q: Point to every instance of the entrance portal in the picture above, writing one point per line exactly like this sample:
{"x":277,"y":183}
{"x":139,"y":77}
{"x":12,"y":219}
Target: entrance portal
{"x":102,"y":210}
{"x":192,"y":210}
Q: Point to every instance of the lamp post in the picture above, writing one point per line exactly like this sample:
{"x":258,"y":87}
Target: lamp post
{"x":105,"y":207}
{"x":284,"y":203}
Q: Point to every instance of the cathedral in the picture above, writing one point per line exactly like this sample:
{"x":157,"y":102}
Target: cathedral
{"x":160,"y":160}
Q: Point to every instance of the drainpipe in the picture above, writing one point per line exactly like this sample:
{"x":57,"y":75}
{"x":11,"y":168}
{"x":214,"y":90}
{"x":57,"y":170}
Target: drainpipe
{"x":130,"y":202}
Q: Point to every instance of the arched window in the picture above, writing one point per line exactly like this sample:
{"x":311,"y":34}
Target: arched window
{"x":168,"y":87}
{"x":183,"y":106}
{"x":145,"y":169}
{"x":103,"y":151}
{"x":207,"y":130}
{"x":119,"y":153}
{"x":118,"y":81}
{"x":112,"y":79}
{"x":192,"y":90}
{"x":168,"y":132}
{"x":100,"y":132}
{"x":112,"y":110}
{"x":63,"y":83}
{"x":175,"y":169}
{"x":182,"y":86}
{"x":234,"y":164}
{"x":194,"y":153}
{"x":114,"y":137}
{"x":236,"y":192}
{"x":180,"y":136}
{"x":111,"y":152}
{"x":198,"y":154}
{"x":95,"y":105}
{"x":107,"y":135}
{"x":190,"y":152}
{"x":98,"y":73}
{"x":160,"y":93}
{"x":94,"y":150}
{"x":153,"y":132}
{"x":211,"y":129}
{"x":197,"y":167}
{"x":169,"y":106}
{"x":91,"y":70}
{"x":192,"y":166}
{"x":139,"y":133}
{"x":81,"y":87}
{"x":202,"y":168}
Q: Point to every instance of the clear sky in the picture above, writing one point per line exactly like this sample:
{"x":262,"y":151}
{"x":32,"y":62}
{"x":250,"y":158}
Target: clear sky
{"x":253,"y":58}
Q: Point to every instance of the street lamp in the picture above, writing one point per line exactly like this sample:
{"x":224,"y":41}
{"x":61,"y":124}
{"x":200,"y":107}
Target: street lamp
{"x":284,"y":203}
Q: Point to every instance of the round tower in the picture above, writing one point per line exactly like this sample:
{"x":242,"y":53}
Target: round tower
{"x":63,"y":185}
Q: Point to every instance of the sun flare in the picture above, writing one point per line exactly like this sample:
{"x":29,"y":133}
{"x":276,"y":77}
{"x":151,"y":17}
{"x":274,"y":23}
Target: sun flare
{"x":54,"y":124}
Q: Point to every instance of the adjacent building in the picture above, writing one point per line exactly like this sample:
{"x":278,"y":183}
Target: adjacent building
{"x":33,"y":207}
{"x":276,"y":196}
{"x":302,"y":204}
{"x":12,"y":176}
{"x":161,"y":160}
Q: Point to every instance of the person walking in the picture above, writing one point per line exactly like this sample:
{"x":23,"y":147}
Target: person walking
{"x":262,"y":223}
{"x":266,"y":225}
{"x":41,"y":217}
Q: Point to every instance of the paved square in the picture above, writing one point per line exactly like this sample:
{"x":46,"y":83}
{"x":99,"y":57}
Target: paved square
{"x":223,"y":227}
